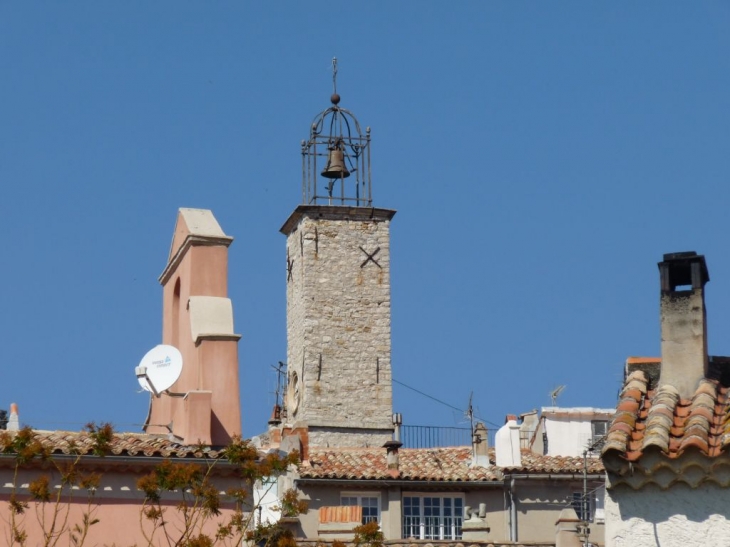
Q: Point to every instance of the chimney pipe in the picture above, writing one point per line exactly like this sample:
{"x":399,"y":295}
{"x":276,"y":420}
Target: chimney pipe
{"x":392,"y":458}
{"x":397,"y":422}
{"x":275,"y":419}
{"x":683,"y":321}
{"x":480,"y":446}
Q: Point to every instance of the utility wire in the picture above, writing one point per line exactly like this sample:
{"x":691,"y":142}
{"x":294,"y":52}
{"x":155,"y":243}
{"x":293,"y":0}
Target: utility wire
{"x":394,"y":380}
{"x":442,"y":402}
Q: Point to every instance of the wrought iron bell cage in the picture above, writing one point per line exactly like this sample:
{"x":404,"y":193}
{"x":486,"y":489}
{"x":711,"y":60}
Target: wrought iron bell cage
{"x":338,"y":153}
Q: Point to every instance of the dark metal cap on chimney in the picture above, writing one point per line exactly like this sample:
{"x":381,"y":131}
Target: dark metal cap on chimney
{"x":686,"y":269}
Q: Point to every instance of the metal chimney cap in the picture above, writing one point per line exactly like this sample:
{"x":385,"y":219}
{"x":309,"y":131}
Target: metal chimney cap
{"x":392,"y":445}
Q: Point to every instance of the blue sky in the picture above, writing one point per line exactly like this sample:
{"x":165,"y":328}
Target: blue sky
{"x":542,"y":157}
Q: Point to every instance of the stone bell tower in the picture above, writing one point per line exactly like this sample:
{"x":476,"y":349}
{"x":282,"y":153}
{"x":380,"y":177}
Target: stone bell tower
{"x":339,"y":381}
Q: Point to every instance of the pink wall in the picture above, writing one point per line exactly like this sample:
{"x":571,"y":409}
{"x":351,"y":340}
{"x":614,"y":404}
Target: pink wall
{"x":117,"y":504}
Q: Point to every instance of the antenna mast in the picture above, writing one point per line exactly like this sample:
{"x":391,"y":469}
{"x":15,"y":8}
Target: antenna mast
{"x":279,"y":368}
{"x":554,"y":394}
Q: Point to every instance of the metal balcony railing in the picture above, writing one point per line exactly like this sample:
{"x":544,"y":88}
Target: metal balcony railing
{"x":428,"y":436}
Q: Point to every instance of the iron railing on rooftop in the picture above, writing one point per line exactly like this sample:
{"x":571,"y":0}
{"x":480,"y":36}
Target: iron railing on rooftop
{"x":430,"y":436}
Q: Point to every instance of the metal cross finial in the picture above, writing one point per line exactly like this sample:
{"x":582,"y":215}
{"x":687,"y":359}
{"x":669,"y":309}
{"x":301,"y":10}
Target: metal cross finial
{"x":334,"y":75}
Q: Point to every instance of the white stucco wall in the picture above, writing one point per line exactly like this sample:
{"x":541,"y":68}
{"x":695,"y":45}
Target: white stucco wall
{"x":569,"y":429}
{"x":680,"y":516}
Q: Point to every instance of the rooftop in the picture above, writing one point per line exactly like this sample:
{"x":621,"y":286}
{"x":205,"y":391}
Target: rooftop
{"x":430,"y":464}
{"x":575,"y":411}
{"x":658,"y":437}
{"x":122,"y":444}
{"x":650,"y":417}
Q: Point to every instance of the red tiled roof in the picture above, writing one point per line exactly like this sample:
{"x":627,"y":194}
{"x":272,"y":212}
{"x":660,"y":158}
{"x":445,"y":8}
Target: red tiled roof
{"x":537,"y":463}
{"x":649,"y":417}
{"x":122,"y":444}
{"x":429,"y":464}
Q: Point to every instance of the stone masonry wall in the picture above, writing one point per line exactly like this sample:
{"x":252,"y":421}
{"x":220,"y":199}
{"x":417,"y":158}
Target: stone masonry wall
{"x":334,"y":437}
{"x":338,"y":327}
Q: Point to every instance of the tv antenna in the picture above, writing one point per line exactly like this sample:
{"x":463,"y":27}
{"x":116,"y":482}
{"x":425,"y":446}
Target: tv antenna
{"x":470,"y":412}
{"x":159,"y":369}
{"x":554,"y":393}
{"x":280,"y":369}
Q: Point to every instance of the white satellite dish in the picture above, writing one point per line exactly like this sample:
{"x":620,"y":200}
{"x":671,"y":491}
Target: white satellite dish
{"x":159,"y":368}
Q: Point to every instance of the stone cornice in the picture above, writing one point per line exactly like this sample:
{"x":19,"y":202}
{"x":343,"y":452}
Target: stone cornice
{"x":191,"y":241}
{"x":334,"y":212}
{"x":217,"y":337}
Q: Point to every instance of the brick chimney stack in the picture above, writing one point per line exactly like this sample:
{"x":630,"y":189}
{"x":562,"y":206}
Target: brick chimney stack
{"x":683,"y":321}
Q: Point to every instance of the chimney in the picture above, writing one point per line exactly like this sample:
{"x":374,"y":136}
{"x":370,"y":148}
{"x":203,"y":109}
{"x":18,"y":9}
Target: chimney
{"x":683,"y":321}
{"x":479,"y":446}
{"x":397,"y":423}
{"x":275,"y":419}
{"x":13,"y":421}
{"x":507,"y":444}
{"x":392,"y":458}
{"x":566,"y":529}
{"x":528,"y":428}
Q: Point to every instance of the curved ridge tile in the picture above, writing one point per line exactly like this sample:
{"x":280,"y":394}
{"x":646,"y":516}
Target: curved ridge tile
{"x":627,"y":413}
{"x":694,"y":441}
{"x":660,"y":418}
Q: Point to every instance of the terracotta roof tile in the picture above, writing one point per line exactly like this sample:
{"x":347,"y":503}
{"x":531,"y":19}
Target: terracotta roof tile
{"x":429,"y":464}
{"x":122,"y":444}
{"x":658,"y":418}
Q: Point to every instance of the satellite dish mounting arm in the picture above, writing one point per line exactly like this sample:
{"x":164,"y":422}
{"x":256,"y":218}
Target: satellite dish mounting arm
{"x":141,"y":372}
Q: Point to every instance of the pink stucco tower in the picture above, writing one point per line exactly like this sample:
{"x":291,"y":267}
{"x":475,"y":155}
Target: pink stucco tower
{"x":203,"y":406}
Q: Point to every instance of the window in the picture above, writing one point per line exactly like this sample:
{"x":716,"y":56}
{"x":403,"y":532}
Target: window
{"x":584,"y":511}
{"x":432,"y":517}
{"x":370,"y":503}
{"x":599,"y":429}
{"x":599,"y":515}
{"x":598,"y":436}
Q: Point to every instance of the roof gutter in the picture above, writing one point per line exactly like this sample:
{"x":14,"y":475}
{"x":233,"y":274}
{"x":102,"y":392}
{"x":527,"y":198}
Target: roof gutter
{"x":553,"y":476}
{"x":398,"y":482}
{"x":121,"y":460}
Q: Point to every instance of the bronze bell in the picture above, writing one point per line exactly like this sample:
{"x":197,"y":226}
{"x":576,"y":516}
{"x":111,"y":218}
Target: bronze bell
{"x":336,"y":168}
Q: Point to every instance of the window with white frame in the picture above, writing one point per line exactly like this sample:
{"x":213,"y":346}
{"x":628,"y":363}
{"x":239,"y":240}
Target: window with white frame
{"x":429,"y":516}
{"x":369,"y":501}
{"x":599,"y":428}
